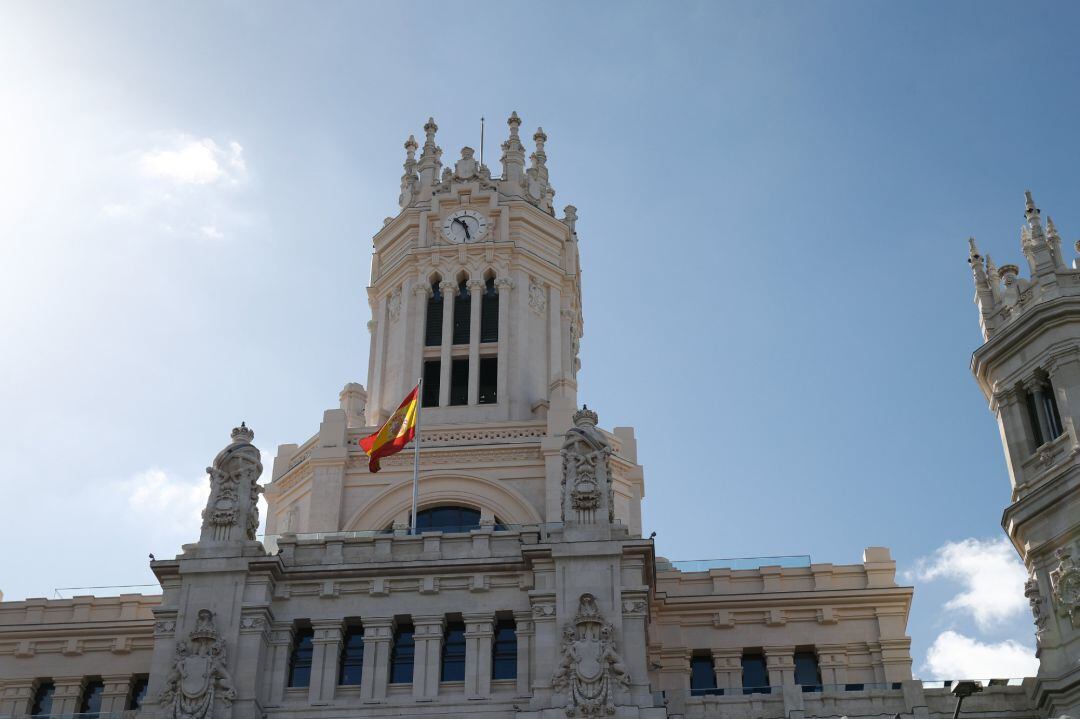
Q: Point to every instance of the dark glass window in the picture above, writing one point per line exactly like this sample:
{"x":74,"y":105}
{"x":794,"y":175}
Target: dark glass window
{"x":462,"y":314}
{"x":138,"y":693}
{"x":432,"y":373}
{"x":91,"y":697}
{"x":433,"y":325}
{"x":401,"y":654}
{"x":352,"y":656}
{"x":459,"y":381}
{"x":755,"y":677}
{"x":448,"y":519}
{"x":853,"y":687}
{"x":453,"y":653}
{"x":43,"y":697}
{"x":489,"y":312}
{"x":504,"y":650}
{"x":702,"y":675}
{"x":1052,"y":416}
{"x":489,"y":379}
{"x":300,"y":659}
{"x":807,"y":673}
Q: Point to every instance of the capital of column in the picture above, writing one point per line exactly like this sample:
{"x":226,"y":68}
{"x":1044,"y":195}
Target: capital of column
{"x":504,"y":282}
{"x":378,"y":628}
{"x":479,"y":624}
{"x":422,"y":289}
{"x":371,"y":325}
{"x":523,"y":622}
{"x":327,"y":631}
{"x":476,"y":286}
{"x":67,"y":687}
{"x":428,"y":626}
{"x":447,"y":287}
{"x":780,"y":657}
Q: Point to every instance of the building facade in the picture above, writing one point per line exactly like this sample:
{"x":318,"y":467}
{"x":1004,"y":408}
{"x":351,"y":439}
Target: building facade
{"x":527,"y":590}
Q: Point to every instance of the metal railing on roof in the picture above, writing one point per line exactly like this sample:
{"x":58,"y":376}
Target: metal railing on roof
{"x":704,"y":565}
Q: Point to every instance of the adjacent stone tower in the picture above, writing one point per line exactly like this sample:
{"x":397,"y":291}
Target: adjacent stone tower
{"x":1029,"y":370}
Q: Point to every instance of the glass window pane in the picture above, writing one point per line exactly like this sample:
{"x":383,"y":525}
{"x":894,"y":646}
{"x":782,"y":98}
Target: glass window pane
{"x":453,"y":653}
{"x":488,"y":381}
{"x":462,"y":314}
{"x":702,"y":675}
{"x":352,"y":656}
{"x":755,"y":675}
{"x":300,"y":661}
{"x":401,"y":655}
{"x":433,"y":326}
{"x":459,"y":381}
{"x":138,"y":692}
{"x":504,"y":650}
{"x":806,"y":669}
{"x":432,"y":378}
{"x":43,"y":698}
{"x":91,"y":697}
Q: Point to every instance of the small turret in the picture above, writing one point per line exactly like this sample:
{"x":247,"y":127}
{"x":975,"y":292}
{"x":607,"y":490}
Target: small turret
{"x":409,"y":178}
{"x":1053,"y":239}
{"x":430,"y":165}
{"x":513,"y":157}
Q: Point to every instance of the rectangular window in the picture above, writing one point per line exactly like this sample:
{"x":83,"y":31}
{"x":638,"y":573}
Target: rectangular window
{"x":755,"y":676}
{"x":489,"y":313}
{"x":300,"y":659}
{"x":43,"y":699}
{"x":807,"y":673}
{"x":504,"y":650}
{"x":433,"y":325}
{"x":138,"y":693}
{"x":453,"y":653}
{"x":401,"y":655}
{"x":91,"y":697}
{"x":459,"y":381}
{"x":432,"y":373}
{"x":352,"y":656}
{"x":702,"y":675}
{"x":489,"y":379}
{"x":462,"y":315}
{"x":1052,"y":416}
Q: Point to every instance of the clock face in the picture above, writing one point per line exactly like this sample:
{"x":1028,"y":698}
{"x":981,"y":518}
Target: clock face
{"x":465,"y":226}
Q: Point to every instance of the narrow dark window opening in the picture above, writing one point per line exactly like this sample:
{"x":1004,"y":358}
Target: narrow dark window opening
{"x":91,"y":697}
{"x":401,"y":655}
{"x":138,"y":693}
{"x":459,"y":381}
{"x":43,"y":699}
{"x":489,"y":312}
{"x":755,"y":676}
{"x":807,"y":671}
{"x":433,"y":326}
{"x":702,"y":675}
{"x":453,"y":653}
{"x":462,"y":314}
{"x":504,"y":650}
{"x":1033,"y":421}
{"x":352,"y":656}
{"x":432,"y":374}
{"x":300,"y":659}
{"x":448,"y":519}
{"x":1052,"y":416}
{"x":488,"y":380}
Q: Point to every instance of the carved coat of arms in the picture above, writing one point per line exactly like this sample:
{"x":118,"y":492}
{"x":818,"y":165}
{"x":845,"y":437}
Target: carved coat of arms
{"x":198,"y":674}
{"x":590,"y":669}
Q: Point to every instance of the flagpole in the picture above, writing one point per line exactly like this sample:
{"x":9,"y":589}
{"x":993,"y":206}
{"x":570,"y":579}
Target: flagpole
{"x":416,"y":456}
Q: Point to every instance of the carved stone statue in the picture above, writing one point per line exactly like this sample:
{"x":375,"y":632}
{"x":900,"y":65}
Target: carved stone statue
{"x":586,"y":482}
{"x":1066,"y":582}
{"x":232,"y":511}
{"x":590,"y":670}
{"x":1031,"y":591}
{"x":198,"y":673}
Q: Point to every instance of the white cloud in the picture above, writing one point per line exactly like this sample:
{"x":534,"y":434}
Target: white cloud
{"x":955,"y":656}
{"x":211,"y":233}
{"x":991,"y":574}
{"x":168,"y":502}
{"x":196,"y":162}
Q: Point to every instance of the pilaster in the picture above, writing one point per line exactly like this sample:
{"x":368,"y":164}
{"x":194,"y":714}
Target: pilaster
{"x":15,"y":697}
{"x":281,"y":640}
{"x":780,"y":662}
{"x":504,"y":286}
{"x":378,"y":633}
{"x":478,"y":636}
{"x":417,"y":316}
{"x":324,"y":660}
{"x":426,"y":661}
{"x":727,"y":665}
{"x":67,"y":695}
{"x":526,"y":633}
{"x":115,"y":695}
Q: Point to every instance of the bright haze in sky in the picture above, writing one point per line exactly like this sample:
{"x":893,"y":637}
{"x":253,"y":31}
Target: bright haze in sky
{"x":774,"y":205}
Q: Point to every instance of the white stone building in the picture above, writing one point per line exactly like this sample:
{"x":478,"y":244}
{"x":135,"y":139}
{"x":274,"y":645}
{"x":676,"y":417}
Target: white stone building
{"x":528,"y":590}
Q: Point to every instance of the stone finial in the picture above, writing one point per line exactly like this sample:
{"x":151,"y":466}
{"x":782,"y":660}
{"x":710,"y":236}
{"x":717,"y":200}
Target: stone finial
{"x":243,"y":433}
{"x":570,"y":218}
{"x":1051,"y":229}
{"x":408,"y":177}
{"x":429,"y":164}
{"x":1008,"y":274}
{"x":585,"y":417}
{"x":1031,"y":214}
{"x":430,"y":128}
{"x":410,"y":148}
{"x":514,"y":122}
{"x":513,"y":155}
{"x":466,"y":167}
{"x":539,"y":138}
{"x":973,"y":251}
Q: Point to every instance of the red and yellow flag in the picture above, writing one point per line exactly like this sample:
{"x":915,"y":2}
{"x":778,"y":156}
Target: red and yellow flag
{"x":395,"y":434}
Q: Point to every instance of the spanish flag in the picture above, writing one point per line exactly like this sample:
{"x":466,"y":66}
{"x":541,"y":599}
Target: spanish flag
{"x":395,"y":434}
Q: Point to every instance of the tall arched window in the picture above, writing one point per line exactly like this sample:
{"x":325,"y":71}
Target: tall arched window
{"x":433,"y":326}
{"x":489,"y":312}
{"x":462,"y":313}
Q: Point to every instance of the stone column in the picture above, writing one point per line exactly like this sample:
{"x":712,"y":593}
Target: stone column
{"x":426,"y":662}
{"x":525,"y":632}
{"x":478,"y":635}
{"x":633,"y":648}
{"x":832,"y":660}
{"x":675,"y":678}
{"x":448,"y":291}
{"x":115,"y":696}
{"x":378,"y":633}
{"x":727,"y":664}
{"x":504,"y":286}
{"x":378,"y":309}
{"x":1065,"y":377}
{"x":545,"y":648}
{"x":1038,"y":391}
{"x":780,"y":662}
{"x":476,"y":287}
{"x":555,"y":336}
{"x":324,"y":660}
{"x":274,"y":681}
{"x":16,"y":696}
{"x":418,"y":310}
{"x":1019,"y":441}
{"x":67,"y":695}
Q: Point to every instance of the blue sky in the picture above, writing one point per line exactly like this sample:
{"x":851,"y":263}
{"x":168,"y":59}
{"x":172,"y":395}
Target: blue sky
{"x":774,"y":202}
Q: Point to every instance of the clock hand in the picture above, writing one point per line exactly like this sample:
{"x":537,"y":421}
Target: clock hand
{"x":467,"y":235}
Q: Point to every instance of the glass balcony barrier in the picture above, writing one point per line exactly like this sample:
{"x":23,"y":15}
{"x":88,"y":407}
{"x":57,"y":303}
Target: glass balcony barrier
{"x":704,"y":565}
{"x":544,"y":529}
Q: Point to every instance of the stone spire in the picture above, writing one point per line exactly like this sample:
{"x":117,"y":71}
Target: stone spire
{"x":430,"y":164}
{"x":539,"y":189}
{"x":984,"y":296}
{"x":1036,"y":248}
{"x":994,"y":278}
{"x":1054,"y":240}
{"x":231,"y":513}
{"x":539,"y":157}
{"x":513,"y":157}
{"x":409,"y":178}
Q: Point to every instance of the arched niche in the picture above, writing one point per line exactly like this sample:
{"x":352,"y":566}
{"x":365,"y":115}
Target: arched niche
{"x":492,"y":498}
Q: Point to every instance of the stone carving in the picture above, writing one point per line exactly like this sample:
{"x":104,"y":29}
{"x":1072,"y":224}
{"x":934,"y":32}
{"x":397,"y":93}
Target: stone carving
{"x":586,"y":483}
{"x":164,"y":627}
{"x":590,"y":671}
{"x":394,"y":304}
{"x":537,"y":297}
{"x":1066,"y":582}
{"x":198,"y":673}
{"x":1035,"y":599}
{"x":231,"y":511}
{"x":543,"y":610}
